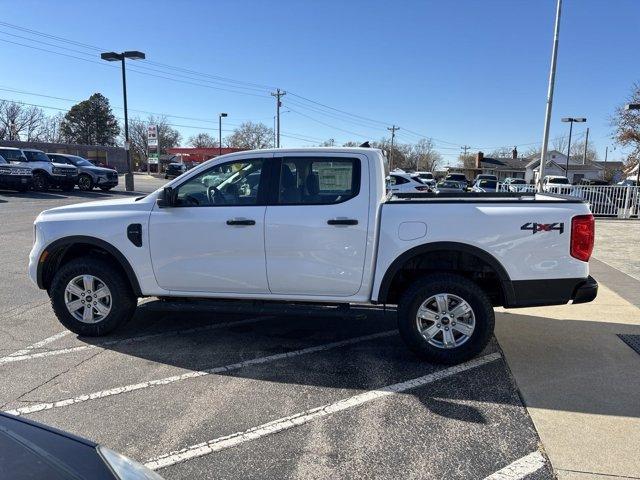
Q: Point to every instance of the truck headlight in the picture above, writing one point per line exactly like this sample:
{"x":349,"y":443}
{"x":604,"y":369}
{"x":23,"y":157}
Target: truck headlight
{"x":125,"y":468}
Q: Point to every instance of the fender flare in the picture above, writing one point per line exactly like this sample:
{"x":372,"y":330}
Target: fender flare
{"x":402,"y":259}
{"x":67,"y":242}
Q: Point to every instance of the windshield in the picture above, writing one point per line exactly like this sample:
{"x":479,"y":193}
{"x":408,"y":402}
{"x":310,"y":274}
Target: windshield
{"x":559,"y":180}
{"x":487,"y":183}
{"x":426,"y":176}
{"x":518,"y":181}
{"x":448,"y":184}
{"x":36,"y":156}
{"x":456,"y":176}
{"x":80,"y":162}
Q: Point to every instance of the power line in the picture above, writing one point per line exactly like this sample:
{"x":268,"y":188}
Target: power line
{"x":326,"y":124}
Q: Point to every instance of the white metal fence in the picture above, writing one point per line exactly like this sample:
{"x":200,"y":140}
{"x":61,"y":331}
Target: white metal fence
{"x":604,"y":200}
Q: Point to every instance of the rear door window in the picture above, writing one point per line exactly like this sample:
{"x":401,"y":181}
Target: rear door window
{"x":318,"y":181}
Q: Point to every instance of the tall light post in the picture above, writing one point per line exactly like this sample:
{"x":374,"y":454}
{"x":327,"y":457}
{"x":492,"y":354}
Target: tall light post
{"x":114,"y":57}
{"x":635,"y":106}
{"x":220,"y":132}
{"x":552,"y":82}
{"x":571,"y":121}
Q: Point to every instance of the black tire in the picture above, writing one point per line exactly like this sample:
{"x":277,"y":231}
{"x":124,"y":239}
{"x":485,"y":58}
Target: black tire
{"x":85,"y":182}
{"x":461,"y":287}
{"x":105,"y":189}
{"x":123,"y":300}
{"x":40,"y":182}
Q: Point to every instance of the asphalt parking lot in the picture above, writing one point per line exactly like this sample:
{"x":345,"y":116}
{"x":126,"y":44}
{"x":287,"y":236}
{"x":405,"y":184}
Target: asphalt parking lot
{"x":224,"y":390}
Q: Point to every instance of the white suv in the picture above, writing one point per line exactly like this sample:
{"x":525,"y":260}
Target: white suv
{"x":46,"y":174}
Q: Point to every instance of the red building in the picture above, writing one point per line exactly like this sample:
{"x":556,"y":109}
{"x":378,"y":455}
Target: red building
{"x":194,"y":156}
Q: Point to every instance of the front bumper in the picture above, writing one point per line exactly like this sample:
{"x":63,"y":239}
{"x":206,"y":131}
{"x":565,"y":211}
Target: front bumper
{"x":106,"y":182}
{"x":59,"y":180}
{"x":16,"y":182}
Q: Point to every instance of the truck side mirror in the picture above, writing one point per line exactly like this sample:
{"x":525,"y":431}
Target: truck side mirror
{"x":167,"y":198}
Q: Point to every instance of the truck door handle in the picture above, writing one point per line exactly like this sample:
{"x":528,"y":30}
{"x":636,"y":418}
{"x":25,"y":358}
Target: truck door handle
{"x":342,"y":221}
{"x":240,"y":221}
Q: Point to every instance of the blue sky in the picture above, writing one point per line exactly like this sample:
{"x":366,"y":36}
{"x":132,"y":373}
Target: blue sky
{"x":468,"y":72}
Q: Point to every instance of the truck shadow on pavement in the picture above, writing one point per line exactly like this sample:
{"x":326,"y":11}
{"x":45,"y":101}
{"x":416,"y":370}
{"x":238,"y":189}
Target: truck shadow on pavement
{"x":191,"y":340}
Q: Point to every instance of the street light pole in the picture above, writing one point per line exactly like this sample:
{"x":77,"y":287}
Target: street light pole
{"x":121,"y":57}
{"x":128,"y":178}
{"x":220,"y":132}
{"x":571,"y":120}
{"x":552,"y":82}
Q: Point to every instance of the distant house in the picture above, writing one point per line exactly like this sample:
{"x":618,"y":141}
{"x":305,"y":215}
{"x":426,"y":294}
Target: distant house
{"x":503,"y":167}
{"x":557,"y":165}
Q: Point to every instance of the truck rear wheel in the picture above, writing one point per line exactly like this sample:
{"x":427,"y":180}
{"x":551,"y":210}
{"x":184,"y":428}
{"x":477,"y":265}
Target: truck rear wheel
{"x":445,"y":318}
{"x":91,"y":298}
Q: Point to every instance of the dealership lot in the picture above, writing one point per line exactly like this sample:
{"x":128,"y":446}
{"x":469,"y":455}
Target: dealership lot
{"x":232,"y":390}
{"x":251,"y":383}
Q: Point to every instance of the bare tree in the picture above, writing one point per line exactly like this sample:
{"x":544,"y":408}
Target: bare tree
{"x":50,"y":130}
{"x":202,"y":140}
{"x":138,"y":130}
{"x":19,"y":122}
{"x":251,"y":136}
{"x":627,"y":125}
{"x":422,"y":155}
{"x":328,"y":143}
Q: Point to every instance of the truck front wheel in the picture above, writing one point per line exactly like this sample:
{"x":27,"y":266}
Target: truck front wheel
{"x":445,"y":318}
{"x":91,"y":298}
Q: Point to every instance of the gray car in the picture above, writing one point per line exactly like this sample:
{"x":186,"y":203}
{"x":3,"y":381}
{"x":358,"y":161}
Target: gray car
{"x":89,"y":175}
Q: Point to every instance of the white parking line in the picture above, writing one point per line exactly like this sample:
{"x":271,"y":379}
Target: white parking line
{"x":25,"y":355}
{"x":307,"y":416}
{"x":34,"y":346}
{"x":520,"y":468}
{"x":200,"y":373}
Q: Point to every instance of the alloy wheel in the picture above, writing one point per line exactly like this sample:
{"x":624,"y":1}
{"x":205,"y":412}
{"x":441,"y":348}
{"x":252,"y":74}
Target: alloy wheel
{"x":445,"y":320}
{"x":88,"y":299}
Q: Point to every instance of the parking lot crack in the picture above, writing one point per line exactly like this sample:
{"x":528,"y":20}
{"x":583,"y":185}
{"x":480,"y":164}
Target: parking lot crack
{"x":48,"y":381}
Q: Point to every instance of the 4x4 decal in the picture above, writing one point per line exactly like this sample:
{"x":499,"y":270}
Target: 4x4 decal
{"x":543,"y":227}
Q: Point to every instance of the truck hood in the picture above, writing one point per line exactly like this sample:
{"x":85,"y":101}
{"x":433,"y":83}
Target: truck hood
{"x":91,"y":210}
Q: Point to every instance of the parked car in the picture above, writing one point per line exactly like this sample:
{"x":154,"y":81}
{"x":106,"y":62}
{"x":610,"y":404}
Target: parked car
{"x":89,"y":175}
{"x":458,"y":177}
{"x":46,"y":174}
{"x":427,"y":178}
{"x":484,"y":176}
{"x":13,"y":177}
{"x":556,"y":184}
{"x":318,"y":228}
{"x":516,"y":185}
{"x":628,"y":182}
{"x":174,"y":170}
{"x":31,"y":450}
{"x":405,"y":183}
{"x":485,"y":185}
{"x":449,"y":186}
{"x":592,"y":182}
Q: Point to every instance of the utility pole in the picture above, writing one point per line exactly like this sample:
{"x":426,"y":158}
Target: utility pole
{"x":552,"y":81}
{"x":586,"y":143}
{"x":278,"y":94}
{"x":392,"y":129}
{"x":465,"y":148}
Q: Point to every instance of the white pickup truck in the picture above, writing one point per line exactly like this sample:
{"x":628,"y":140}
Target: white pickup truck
{"x":316,"y":225}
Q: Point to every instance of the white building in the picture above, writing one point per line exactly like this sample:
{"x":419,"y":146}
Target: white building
{"x":557,"y":165}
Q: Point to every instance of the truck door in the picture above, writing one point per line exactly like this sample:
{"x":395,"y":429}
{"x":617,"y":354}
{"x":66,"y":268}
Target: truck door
{"x":212,"y":240}
{"x":316,"y":225}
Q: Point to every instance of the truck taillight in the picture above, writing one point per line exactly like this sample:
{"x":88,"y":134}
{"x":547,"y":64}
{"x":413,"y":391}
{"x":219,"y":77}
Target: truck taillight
{"x":583,"y":230}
